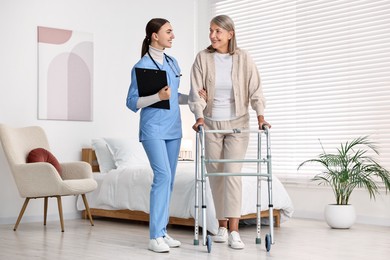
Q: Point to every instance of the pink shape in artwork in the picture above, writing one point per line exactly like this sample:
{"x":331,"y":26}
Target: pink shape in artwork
{"x":79,"y":89}
{"x":57,"y":85}
{"x":53,"y":36}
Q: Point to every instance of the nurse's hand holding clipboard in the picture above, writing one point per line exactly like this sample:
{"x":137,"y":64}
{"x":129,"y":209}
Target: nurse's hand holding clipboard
{"x":164,"y":93}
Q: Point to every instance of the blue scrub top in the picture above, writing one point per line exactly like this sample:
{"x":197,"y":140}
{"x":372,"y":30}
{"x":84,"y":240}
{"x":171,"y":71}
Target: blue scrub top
{"x":157,"y":123}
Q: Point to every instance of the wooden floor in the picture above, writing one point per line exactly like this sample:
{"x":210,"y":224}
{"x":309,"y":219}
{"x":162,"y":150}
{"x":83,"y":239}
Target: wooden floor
{"x":112,"y":239}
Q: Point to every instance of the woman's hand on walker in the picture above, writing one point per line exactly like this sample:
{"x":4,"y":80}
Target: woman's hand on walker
{"x":199,"y":122}
{"x":261,"y":122}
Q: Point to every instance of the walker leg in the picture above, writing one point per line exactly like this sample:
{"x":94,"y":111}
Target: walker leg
{"x":209,"y":243}
{"x":268,"y":242}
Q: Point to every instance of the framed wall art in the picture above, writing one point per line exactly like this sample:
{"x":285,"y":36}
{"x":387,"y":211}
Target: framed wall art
{"x":65,"y":74}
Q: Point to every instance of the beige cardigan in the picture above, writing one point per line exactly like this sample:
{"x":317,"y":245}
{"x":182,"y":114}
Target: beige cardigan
{"x":245,"y":79}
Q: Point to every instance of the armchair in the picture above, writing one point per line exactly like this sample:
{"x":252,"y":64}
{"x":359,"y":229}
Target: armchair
{"x":41,"y":179}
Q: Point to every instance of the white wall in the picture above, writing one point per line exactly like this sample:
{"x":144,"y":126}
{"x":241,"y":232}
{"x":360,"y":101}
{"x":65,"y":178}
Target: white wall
{"x":118,"y":28}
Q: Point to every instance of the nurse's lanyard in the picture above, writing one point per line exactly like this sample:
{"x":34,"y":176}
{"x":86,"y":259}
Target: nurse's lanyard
{"x":168,"y":59}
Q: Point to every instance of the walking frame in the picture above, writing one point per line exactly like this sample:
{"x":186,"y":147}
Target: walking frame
{"x":201,"y":176}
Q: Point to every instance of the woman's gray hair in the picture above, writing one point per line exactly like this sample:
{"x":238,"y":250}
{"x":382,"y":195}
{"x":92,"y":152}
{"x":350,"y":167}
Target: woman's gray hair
{"x":226,"y":23}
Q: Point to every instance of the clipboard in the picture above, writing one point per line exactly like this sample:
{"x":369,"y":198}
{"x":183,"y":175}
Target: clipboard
{"x":150,"y":82}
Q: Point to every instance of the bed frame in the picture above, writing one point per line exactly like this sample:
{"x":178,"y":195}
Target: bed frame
{"x":89,"y":156}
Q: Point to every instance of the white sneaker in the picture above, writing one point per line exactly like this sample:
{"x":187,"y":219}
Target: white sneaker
{"x":235,"y":241}
{"x":158,"y":245}
{"x":171,"y":242}
{"x":221,"y":236}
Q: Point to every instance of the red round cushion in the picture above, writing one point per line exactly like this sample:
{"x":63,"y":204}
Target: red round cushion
{"x":43,"y":155}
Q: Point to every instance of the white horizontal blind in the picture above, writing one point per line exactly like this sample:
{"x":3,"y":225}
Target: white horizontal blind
{"x":325,"y":69}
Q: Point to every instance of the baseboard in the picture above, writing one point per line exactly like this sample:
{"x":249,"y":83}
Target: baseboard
{"x":366,"y":220}
{"x":29,"y":219}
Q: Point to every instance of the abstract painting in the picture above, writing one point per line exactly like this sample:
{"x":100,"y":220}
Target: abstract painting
{"x":65,"y":74}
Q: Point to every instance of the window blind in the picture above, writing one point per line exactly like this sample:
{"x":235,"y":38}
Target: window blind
{"x":325,"y":70}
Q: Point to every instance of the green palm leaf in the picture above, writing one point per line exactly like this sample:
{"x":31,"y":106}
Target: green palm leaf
{"x":349,"y":168}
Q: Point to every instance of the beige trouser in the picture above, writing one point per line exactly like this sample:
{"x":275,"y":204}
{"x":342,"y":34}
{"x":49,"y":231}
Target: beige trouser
{"x":226,"y":190}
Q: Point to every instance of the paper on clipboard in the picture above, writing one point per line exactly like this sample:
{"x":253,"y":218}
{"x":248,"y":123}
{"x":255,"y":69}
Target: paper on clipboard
{"x":150,"y":82}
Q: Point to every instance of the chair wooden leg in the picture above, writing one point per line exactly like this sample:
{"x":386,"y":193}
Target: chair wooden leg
{"x":60,"y":212}
{"x":45,"y":210}
{"x":21,"y":213}
{"x":87,"y":209}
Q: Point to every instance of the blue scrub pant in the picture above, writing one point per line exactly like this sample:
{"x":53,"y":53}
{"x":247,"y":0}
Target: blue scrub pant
{"x":163,"y":156}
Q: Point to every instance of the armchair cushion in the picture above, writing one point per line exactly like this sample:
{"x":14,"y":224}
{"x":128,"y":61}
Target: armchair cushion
{"x":43,"y":155}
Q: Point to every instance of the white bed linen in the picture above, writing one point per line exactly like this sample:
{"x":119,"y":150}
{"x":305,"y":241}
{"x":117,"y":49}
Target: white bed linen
{"x":129,"y":188}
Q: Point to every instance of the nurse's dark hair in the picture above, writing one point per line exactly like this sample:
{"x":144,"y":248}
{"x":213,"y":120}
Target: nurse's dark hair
{"x":225,"y":22}
{"x":153,"y":26}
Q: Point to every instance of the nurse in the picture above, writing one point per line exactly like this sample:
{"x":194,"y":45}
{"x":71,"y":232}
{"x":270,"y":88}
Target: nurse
{"x":160,"y":129}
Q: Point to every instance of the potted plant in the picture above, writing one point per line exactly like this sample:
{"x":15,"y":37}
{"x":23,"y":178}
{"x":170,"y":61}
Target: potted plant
{"x":350,"y":167}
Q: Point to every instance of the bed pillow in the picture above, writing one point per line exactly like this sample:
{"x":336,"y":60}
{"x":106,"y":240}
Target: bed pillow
{"x":127,"y":152}
{"x":104,"y":157}
{"x":43,"y":155}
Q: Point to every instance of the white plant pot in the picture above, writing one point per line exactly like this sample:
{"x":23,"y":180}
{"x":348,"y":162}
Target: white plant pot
{"x":340,"y":216}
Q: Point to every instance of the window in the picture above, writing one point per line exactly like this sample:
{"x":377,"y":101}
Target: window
{"x":325,"y":69}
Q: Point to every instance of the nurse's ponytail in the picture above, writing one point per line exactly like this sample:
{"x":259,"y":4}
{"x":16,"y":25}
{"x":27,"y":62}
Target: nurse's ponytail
{"x":153,"y":26}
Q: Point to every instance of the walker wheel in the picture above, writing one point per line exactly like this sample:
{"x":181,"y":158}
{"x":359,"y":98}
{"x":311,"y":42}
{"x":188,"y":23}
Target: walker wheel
{"x":208,"y":243}
{"x":268,"y":242}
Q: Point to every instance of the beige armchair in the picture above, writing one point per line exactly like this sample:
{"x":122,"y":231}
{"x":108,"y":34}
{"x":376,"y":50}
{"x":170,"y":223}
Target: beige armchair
{"x":41,"y":179}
